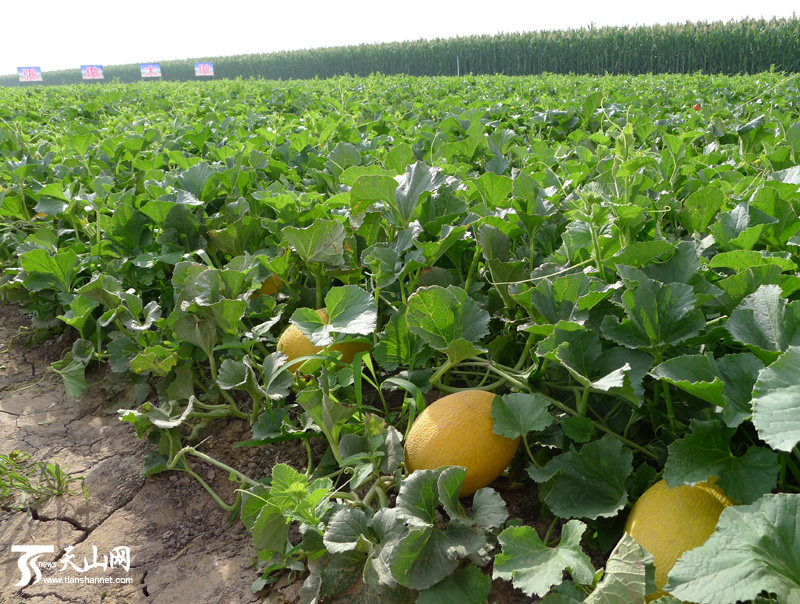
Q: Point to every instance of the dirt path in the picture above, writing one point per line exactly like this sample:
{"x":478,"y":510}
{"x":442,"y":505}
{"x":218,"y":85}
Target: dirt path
{"x":180,"y":547}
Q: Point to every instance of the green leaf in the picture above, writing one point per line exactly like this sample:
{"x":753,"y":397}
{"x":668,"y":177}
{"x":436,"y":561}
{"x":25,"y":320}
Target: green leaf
{"x":170,"y":414}
{"x":700,"y":208}
{"x":181,"y":230}
{"x":726,"y":382}
{"x":73,"y":373}
{"x":614,"y":370}
{"x":265,"y":520}
{"x":440,"y":316}
{"x":198,"y":331}
{"x":55,"y":272}
{"x":370,"y":189}
{"x":642,"y":253}
{"x":659,"y":315}
{"x":129,"y":230}
{"x":519,"y":413}
{"x":155,"y":359}
{"x":589,"y":484}
{"x":399,"y":346}
{"x":384,"y":262}
{"x":238,"y":375}
{"x":580,"y":429}
{"x":766,"y":321}
{"x":567,"y":298}
{"x":741,"y":260}
{"x":754,"y":548}
{"x":345,"y":531}
{"x":465,"y":586}
{"x":322,"y":242}
{"x":494,"y":189}
{"x":427,"y":555}
{"x":775,"y":397}
{"x":625,"y":577}
{"x":329,"y":414}
{"x":706,"y":452}
{"x":121,"y":352}
{"x":79,"y":312}
{"x":535,"y":568}
{"x":398,"y":157}
{"x":742,"y":227}
{"x":342,"y":157}
{"x":419,"y":495}
{"x":494,"y":244}
{"x":417,"y":179}
{"x":195,"y":180}
{"x":460,"y":350}
{"x":277,"y":383}
{"x":351,"y":310}
{"x":489,"y":510}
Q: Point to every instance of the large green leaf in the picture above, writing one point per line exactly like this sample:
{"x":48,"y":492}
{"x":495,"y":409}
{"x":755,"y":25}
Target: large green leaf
{"x":518,"y":413}
{"x":701,"y":207}
{"x":742,"y":227}
{"x":755,"y":548}
{"x":629,"y":575}
{"x":399,"y":346}
{"x":372,"y":188}
{"x":775,"y":397}
{"x":418,"y":178}
{"x":766,"y":321}
{"x":615,"y":370}
{"x":465,"y":586}
{"x":589,"y":484}
{"x":535,"y":568}
{"x":322,"y":242}
{"x":46,"y":271}
{"x":659,"y":315}
{"x":726,"y":381}
{"x":706,"y":452}
{"x":441,"y":316}
{"x":566,"y":298}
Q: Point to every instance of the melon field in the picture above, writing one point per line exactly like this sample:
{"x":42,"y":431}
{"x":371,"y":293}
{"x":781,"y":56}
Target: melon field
{"x":613,"y":262}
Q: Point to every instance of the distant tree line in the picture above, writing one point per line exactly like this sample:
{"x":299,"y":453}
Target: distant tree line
{"x":735,"y":47}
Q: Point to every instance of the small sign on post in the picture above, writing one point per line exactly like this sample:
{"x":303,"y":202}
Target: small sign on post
{"x":150,"y":70}
{"x":29,"y":74}
{"x":204,"y":69}
{"x":92,"y":72}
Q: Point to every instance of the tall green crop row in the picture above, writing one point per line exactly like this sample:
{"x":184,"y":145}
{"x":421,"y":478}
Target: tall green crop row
{"x":747,"y":46}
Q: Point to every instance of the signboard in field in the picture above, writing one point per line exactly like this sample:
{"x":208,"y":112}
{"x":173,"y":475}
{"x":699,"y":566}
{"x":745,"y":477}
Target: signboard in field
{"x":92,"y":72}
{"x":29,"y":74}
{"x":150,"y":70}
{"x":204,"y":69}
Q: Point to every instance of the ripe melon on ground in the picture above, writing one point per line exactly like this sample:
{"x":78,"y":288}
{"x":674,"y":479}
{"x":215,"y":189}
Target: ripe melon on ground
{"x":668,"y":522}
{"x":456,"y":430}
{"x":294,"y":345}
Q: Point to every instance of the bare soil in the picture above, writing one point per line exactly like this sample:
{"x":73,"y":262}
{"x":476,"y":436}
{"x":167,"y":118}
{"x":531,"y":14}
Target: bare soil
{"x":183,"y":546}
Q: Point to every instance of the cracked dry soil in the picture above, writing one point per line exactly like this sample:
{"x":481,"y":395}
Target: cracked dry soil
{"x":182,"y":548}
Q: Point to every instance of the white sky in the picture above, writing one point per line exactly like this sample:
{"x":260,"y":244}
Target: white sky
{"x":59,"y":34}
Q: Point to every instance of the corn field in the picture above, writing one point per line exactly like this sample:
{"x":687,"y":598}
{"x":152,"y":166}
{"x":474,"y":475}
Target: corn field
{"x":735,"y":47}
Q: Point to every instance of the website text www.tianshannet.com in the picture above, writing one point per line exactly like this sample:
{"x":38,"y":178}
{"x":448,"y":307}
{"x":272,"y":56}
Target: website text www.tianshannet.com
{"x":88,"y":580}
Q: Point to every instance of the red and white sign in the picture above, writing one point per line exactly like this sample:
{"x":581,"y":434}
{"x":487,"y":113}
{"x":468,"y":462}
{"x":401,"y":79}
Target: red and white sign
{"x":29,"y":74}
{"x":92,"y":72}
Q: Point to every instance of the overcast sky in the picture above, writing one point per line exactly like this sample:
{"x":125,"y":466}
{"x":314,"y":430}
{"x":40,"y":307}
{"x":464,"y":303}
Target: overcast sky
{"x":55,"y":34}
